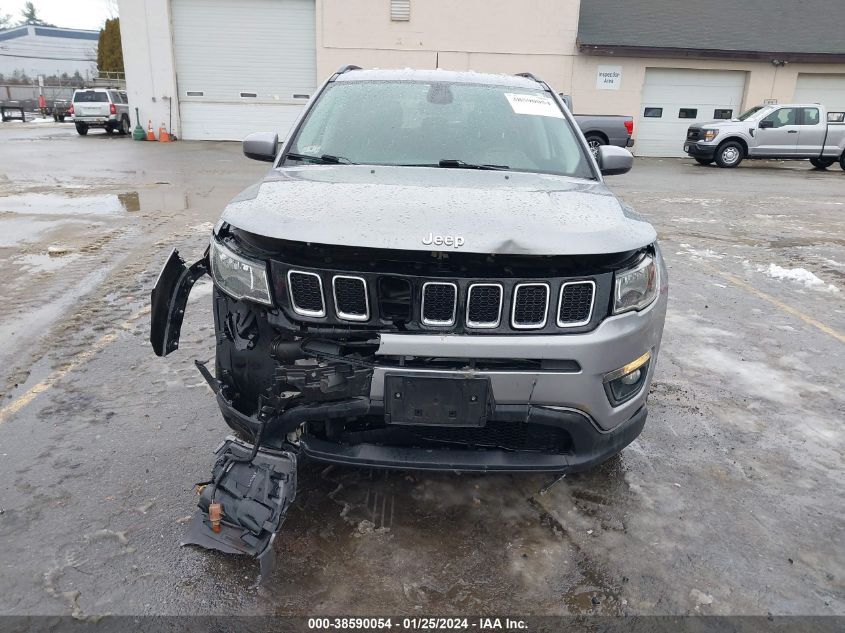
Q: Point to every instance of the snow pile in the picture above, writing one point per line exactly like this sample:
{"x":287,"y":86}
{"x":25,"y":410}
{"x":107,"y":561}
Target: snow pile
{"x":799,"y":275}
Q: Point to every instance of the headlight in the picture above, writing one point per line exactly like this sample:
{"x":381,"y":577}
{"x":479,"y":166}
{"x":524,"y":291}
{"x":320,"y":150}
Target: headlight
{"x":637,"y":287}
{"x":709,"y":135}
{"x":237,"y":276}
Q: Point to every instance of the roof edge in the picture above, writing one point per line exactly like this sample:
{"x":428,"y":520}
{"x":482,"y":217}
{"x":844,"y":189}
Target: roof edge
{"x":613,"y":50}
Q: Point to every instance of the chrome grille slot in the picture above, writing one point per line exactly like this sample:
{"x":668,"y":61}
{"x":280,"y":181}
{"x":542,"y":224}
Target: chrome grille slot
{"x":530,"y":306}
{"x":350,"y":298}
{"x":484,"y":305}
{"x":575,"y":306}
{"x":306,"y":293}
{"x":439,"y":303}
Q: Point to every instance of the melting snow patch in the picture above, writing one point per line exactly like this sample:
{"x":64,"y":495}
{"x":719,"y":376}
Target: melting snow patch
{"x":204,"y":227}
{"x":701,"y":254}
{"x":799,"y":275}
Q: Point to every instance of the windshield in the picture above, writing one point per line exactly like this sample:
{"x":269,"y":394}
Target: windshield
{"x":90,"y":96}
{"x":443,"y":124}
{"x":749,"y":113}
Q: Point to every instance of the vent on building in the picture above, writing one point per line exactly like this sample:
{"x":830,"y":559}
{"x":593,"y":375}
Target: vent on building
{"x":400,"y":10}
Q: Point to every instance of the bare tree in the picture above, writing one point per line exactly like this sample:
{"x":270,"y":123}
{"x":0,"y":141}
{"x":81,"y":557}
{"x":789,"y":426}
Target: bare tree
{"x":5,"y":20}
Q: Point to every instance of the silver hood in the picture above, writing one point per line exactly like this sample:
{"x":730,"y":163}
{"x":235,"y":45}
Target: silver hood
{"x":400,"y":207}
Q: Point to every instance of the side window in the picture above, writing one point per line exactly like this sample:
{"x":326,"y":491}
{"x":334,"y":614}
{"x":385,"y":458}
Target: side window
{"x":687,"y":113}
{"x":654,"y":113}
{"x":811,"y":116}
{"x":722,"y":113}
{"x":784,"y":116}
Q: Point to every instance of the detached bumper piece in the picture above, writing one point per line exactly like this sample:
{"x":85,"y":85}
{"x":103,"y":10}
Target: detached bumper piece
{"x":253,"y":496}
{"x":169,"y":298}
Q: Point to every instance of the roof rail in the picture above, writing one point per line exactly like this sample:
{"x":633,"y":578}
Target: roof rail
{"x":347,"y":68}
{"x":531,"y":76}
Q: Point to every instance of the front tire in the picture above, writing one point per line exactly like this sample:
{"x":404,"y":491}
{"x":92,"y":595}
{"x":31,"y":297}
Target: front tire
{"x":704,"y":161}
{"x":842,"y":161}
{"x":594,"y":141}
{"x":729,"y":154}
{"x":81,"y":129}
{"x":822,"y":163}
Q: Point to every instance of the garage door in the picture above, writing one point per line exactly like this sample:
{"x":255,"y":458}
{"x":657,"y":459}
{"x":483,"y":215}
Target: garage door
{"x":828,"y":90}
{"x":674,"y":98}
{"x":242,"y":66}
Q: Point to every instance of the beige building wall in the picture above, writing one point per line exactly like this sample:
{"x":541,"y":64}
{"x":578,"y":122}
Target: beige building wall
{"x":537,"y":36}
{"x":763,"y":80}
{"x":529,"y":35}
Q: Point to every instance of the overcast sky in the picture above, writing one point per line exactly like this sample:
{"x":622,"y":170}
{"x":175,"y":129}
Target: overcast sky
{"x":74,"y":14}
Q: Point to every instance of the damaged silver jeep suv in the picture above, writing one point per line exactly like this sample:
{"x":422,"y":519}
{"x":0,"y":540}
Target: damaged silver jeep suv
{"x":432,"y":276}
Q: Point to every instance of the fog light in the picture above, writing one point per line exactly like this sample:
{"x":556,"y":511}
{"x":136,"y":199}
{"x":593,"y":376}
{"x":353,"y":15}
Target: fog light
{"x":631,"y":379}
{"x":624,"y":383}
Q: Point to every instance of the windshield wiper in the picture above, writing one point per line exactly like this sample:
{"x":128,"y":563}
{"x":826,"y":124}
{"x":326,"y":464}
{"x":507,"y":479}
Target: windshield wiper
{"x":454,"y":163}
{"x":326,"y":159}
{"x":459,"y":164}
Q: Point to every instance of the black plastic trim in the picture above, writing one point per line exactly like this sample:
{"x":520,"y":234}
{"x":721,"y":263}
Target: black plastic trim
{"x":590,"y":448}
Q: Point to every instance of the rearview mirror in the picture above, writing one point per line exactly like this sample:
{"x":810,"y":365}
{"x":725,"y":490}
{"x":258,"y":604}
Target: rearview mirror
{"x":614,"y":160}
{"x":261,"y":146}
{"x":766,"y":123}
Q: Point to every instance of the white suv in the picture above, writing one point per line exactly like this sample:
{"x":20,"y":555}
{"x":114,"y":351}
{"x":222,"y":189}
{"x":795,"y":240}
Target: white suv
{"x":100,"y":107}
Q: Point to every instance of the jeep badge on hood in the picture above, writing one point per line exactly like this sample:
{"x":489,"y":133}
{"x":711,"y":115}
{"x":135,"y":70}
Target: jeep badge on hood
{"x":443,"y":240}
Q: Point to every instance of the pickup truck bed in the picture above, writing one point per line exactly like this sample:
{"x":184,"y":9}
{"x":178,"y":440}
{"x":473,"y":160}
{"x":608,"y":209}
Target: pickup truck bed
{"x":606,"y":129}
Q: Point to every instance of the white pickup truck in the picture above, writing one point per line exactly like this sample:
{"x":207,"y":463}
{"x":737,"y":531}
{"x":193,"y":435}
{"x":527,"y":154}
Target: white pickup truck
{"x":788,"y":131}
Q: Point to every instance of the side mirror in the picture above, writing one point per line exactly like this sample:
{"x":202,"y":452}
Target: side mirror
{"x":567,"y":99}
{"x":766,"y":123}
{"x":614,"y":160}
{"x":261,"y":146}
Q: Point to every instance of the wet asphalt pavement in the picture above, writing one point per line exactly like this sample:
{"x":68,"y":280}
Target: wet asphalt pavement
{"x":730,"y":502}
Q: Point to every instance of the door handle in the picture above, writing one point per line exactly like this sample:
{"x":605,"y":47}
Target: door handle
{"x":792,"y":131}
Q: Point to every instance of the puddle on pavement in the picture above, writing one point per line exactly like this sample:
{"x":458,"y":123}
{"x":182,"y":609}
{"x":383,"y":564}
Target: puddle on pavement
{"x":65,"y":204}
{"x":14,"y":231}
{"x":45,"y":262}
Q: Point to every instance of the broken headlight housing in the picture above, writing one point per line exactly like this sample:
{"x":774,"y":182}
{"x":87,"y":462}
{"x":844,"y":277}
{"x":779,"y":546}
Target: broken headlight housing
{"x":637,"y":287}
{"x":237,"y":276}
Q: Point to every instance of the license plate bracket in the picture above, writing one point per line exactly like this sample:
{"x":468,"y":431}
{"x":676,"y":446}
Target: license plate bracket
{"x":436,"y":400}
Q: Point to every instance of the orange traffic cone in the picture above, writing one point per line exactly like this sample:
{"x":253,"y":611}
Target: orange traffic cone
{"x":151,"y":136}
{"x":163,"y":136}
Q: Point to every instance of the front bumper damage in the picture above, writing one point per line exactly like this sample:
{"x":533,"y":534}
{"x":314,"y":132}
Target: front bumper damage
{"x":329,"y":393}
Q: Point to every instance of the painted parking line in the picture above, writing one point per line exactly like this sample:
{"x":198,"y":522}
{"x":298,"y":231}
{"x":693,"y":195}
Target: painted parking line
{"x":785,"y":307}
{"x":33,"y":392}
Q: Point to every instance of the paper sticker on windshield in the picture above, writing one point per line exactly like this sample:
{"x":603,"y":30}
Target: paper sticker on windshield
{"x":538,"y":105}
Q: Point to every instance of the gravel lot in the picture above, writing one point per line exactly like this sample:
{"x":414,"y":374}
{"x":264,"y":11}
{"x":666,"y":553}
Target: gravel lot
{"x":730,"y":502}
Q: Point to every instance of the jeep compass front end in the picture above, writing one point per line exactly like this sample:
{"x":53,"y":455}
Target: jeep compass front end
{"x":433,"y":275}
